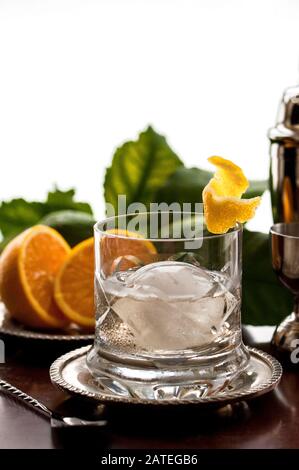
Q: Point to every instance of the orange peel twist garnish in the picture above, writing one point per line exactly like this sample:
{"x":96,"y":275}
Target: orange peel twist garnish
{"x":223,"y":206}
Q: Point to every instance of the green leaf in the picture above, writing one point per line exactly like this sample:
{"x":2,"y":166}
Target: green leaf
{"x":186,"y":185}
{"x":63,"y":200}
{"x":139,"y":168}
{"x":256,"y":188}
{"x":264,"y":300}
{"x":74,"y":226}
{"x":18,"y":214}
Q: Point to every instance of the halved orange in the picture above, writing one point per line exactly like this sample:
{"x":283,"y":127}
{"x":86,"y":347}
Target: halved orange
{"x":127,"y":250}
{"x":28,"y":266}
{"x":74,"y":285}
{"x":223,"y":207}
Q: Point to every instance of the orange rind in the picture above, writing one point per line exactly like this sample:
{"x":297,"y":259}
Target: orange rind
{"x":74,"y":285}
{"x":28,"y":267}
{"x":223,"y":206}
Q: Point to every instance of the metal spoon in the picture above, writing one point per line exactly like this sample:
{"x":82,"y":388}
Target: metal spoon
{"x":58,"y":418}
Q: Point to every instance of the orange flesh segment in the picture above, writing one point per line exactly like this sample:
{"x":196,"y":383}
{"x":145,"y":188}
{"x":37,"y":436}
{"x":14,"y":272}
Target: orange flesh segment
{"x":40,"y":259}
{"x":74,"y":286}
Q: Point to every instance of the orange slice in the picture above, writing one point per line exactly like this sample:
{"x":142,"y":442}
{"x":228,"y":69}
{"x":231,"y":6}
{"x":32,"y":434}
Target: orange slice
{"x":28,"y":266}
{"x":223,"y":207}
{"x":74,"y":285}
{"x":127,"y":251}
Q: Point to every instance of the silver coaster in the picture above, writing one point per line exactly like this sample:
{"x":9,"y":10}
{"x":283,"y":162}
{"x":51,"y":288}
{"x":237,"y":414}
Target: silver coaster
{"x":12,"y":328}
{"x":70,"y":373}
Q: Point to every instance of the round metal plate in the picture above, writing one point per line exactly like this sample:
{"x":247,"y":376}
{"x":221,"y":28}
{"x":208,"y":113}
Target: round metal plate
{"x":70,"y":373}
{"x":9,"y":327}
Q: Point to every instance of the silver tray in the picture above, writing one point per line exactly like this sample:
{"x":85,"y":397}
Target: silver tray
{"x":70,"y":373}
{"x":12,"y":328}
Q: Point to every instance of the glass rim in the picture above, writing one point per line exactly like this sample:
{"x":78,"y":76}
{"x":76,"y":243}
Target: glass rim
{"x":274,"y":229}
{"x":237,"y":228}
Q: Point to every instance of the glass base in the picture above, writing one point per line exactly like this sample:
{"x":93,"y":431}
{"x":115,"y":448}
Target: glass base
{"x":191,"y":378}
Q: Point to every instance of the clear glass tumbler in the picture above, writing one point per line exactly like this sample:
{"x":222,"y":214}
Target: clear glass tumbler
{"x":167,"y":307}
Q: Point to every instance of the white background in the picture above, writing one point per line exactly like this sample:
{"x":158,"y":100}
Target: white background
{"x":77,"y":78}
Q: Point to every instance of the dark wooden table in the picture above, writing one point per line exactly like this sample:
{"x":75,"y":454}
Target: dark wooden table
{"x":271,"y":421}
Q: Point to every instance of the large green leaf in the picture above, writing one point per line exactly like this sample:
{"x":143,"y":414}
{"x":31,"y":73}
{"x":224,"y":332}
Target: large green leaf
{"x":139,"y":168}
{"x":256,"y":188}
{"x":186,"y":185}
{"x":64,"y":200}
{"x":18,"y":214}
{"x":264,"y":300}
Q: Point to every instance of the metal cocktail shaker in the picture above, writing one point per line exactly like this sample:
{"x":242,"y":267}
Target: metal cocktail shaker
{"x":284,"y":150}
{"x":284,"y":187}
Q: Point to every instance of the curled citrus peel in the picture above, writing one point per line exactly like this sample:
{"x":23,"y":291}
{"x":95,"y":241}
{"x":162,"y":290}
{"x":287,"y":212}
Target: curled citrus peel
{"x":223,"y":206}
